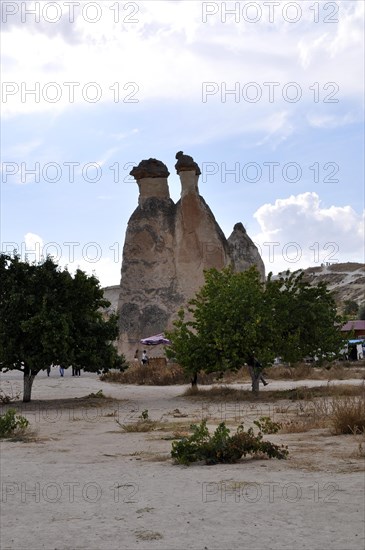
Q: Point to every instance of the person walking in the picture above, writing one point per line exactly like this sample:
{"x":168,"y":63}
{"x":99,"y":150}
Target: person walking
{"x":144,"y":358}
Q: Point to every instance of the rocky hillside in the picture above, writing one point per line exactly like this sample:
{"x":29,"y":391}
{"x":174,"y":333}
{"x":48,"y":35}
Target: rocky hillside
{"x":111,"y":293}
{"x":346,"y":280}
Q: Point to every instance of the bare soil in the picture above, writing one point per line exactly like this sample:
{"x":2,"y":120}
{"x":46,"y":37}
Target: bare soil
{"x":79,"y":481}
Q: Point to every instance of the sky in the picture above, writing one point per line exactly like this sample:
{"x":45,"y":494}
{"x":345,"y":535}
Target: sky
{"x":266,"y":96}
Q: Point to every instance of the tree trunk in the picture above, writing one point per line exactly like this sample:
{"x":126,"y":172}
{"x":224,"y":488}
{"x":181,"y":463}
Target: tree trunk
{"x":194,"y":380}
{"x":28,"y":383}
{"x":255,"y":384}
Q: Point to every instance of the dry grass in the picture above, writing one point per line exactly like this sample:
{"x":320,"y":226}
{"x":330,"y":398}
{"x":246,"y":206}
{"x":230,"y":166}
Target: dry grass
{"x":360,"y":451}
{"x":140,"y":426}
{"x":155,"y":425}
{"x":70,"y":403}
{"x":148,"y":535}
{"x":26,"y":436}
{"x":227,"y":393}
{"x":6,"y":398}
{"x":156,"y":373}
{"x":160,"y":373}
{"x":330,"y":371}
{"x":297,"y":372}
{"x":340,"y":408}
{"x":310,"y":415}
{"x":341,"y":414}
{"x":348,"y":415}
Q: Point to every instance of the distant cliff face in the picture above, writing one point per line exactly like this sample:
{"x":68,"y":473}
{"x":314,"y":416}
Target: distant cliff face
{"x":167,"y":248}
{"x":345,"y":280}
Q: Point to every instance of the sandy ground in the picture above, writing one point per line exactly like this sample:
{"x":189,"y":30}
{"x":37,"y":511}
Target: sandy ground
{"x":83,"y":483}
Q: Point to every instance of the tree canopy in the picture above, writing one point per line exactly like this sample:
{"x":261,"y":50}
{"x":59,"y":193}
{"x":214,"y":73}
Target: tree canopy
{"x":236,"y":315}
{"x":48,"y":316}
{"x":351,"y":308}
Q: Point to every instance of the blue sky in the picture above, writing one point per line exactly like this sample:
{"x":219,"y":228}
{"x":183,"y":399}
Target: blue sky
{"x":268,"y":100}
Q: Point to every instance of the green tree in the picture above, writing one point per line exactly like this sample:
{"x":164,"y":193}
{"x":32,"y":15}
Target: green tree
{"x":49,"y":316}
{"x":188,"y":348}
{"x":351,"y":308}
{"x":361,"y":314}
{"x":306,"y":318}
{"x":236,"y":315}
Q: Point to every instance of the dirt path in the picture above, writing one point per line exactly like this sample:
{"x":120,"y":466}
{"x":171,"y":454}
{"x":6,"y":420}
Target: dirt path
{"x":83,"y":483}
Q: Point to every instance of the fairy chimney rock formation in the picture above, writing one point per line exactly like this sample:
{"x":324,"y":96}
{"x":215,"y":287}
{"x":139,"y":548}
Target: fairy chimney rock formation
{"x":189,"y":173}
{"x":243,"y":251}
{"x":151,"y":176}
{"x":200,"y":243}
{"x":167,"y":248}
{"x":148,"y":290}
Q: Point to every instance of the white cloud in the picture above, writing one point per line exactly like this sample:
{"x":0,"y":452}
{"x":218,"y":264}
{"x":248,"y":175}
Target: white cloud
{"x":170,"y":52}
{"x":107,"y":155}
{"x":32,"y":247}
{"x":330,"y":121}
{"x":278,"y":127}
{"x":23,"y":149}
{"x":298,"y":232}
{"x":105,"y":269}
{"x":104,"y":263}
{"x":347,"y":20}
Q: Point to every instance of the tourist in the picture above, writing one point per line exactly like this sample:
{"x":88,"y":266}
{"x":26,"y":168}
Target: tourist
{"x":144,"y":358}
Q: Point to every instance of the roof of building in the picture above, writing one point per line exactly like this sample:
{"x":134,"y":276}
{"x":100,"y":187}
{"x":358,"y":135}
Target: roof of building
{"x":354,"y":325}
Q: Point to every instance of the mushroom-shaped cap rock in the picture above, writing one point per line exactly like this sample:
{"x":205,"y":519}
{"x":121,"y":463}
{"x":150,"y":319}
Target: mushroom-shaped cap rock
{"x":185,"y":163}
{"x":151,"y":168}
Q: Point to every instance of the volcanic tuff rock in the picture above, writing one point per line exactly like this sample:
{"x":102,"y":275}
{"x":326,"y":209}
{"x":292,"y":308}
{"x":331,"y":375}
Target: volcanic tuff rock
{"x":345,"y":280}
{"x":167,"y":248}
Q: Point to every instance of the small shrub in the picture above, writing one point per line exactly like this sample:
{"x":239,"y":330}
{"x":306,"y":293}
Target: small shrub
{"x":221,"y":446}
{"x":144,"y":424}
{"x":140,"y":426}
{"x":12,"y":424}
{"x":98,"y":395}
{"x":348,"y":415}
{"x":6,"y":398}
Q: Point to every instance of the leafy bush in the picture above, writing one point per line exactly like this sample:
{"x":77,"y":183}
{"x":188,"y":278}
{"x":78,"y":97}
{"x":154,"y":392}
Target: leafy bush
{"x":267,"y":426}
{"x":12,"y":424}
{"x":221,"y":446}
